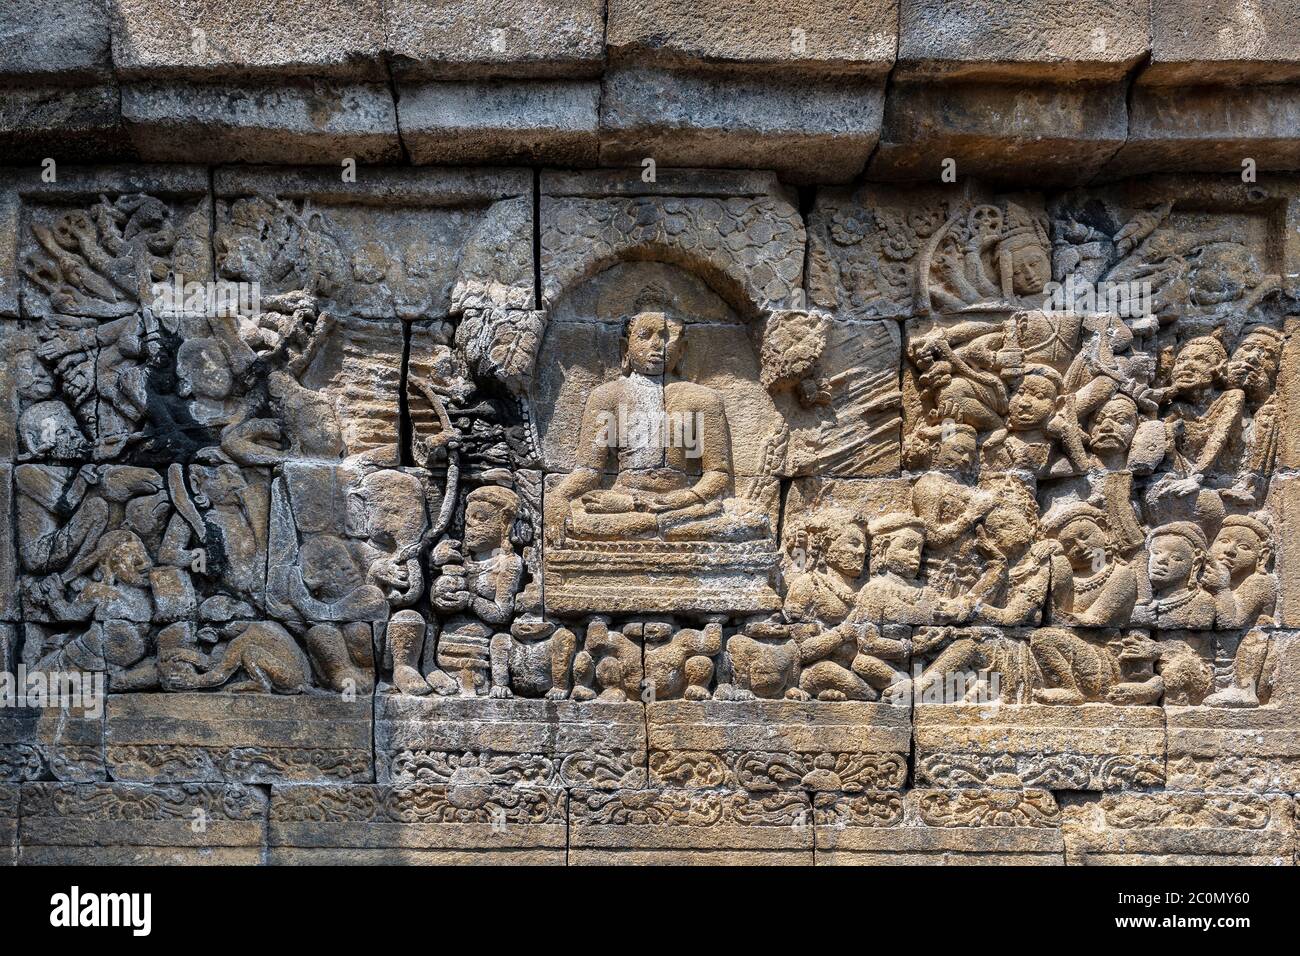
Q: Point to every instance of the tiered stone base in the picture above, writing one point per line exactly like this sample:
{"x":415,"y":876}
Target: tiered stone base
{"x":225,"y":779}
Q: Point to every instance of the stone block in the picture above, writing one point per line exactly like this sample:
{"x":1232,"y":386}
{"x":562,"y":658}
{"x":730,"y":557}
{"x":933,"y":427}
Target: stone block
{"x":453,"y":741}
{"x":1209,"y":129}
{"x":118,"y":824}
{"x":1015,"y":40}
{"x":500,"y":121}
{"x":809,"y":132}
{"x":223,"y":38}
{"x":1047,"y":135}
{"x":72,"y":124}
{"x":855,"y":38}
{"x":321,"y":122}
{"x":1210,"y":42}
{"x":1245,"y":750}
{"x":8,"y":825}
{"x":450,"y":39}
{"x":239,"y":738}
{"x":63,"y":740}
{"x":689,"y":827}
{"x":62,"y":40}
{"x":965,"y":827}
{"x":430,"y":825}
{"x":1084,"y":747}
{"x":764,"y":745}
{"x":1172,"y":828}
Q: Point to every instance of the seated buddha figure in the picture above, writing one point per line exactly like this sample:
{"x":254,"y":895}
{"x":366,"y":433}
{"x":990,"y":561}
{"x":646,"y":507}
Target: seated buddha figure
{"x":671,"y":445}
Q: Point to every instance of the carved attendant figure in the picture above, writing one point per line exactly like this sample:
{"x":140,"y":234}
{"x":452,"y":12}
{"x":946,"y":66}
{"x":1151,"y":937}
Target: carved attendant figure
{"x":1091,"y":586}
{"x":477,"y":588}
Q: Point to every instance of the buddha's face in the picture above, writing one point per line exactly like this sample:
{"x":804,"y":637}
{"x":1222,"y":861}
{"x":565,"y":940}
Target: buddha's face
{"x":1033,"y":402}
{"x":1253,"y":364}
{"x":1114,"y":426}
{"x":1171,"y":562}
{"x":1196,"y":365}
{"x":848,"y":551}
{"x":903,"y":552}
{"x":1237,"y":549}
{"x":655,"y":343}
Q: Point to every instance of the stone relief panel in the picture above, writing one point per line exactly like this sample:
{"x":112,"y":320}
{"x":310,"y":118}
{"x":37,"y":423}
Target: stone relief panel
{"x":977,"y":493}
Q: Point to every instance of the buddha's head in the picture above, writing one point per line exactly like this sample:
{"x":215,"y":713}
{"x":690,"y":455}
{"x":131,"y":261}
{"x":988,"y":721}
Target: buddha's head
{"x":654,"y":343}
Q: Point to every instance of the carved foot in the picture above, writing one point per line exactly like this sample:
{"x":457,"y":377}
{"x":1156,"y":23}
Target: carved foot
{"x":557,"y":693}
{"x":409,"y":681}
{"x":1057,"y":695}
{"x":583,"y":694}
{"x":442,"y":683}
{"x":1236,"y":697}
{"x":897,"y":692}
{"x":696,"y":692}
{"x":501,"y":693}
{"x":832,"y":695}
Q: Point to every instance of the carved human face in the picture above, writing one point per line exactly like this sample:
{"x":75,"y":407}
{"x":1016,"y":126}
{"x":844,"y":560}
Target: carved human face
{"x":50,"y":427}
{"x":1031,"y":270}
{"x":1237,"y":549}
{"x":1254,"y":364}
{"x":486,"y":527}
{"x":1114,"y":426}
{"x":1196,"y":366}
{"x":1033,"y":402}
{"x":220,"y":486}
{"x":1009,"y":529}
{"x":129,"y":563}
{"x":955,"y":451}
{"x":34,"y":383}
{"x":903,"y":552}
{"x":328,"y":570}
{"x":655,"y":343}
{"x":1171,"y":561}
{"x":848,"y":552}
{"x":1084,"y":542}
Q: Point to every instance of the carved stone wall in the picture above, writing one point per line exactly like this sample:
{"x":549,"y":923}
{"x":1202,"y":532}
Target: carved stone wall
{"x":779,"y":499}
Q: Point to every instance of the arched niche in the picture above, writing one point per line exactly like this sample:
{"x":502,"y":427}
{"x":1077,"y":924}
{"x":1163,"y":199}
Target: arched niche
{"x":582,"y":348}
